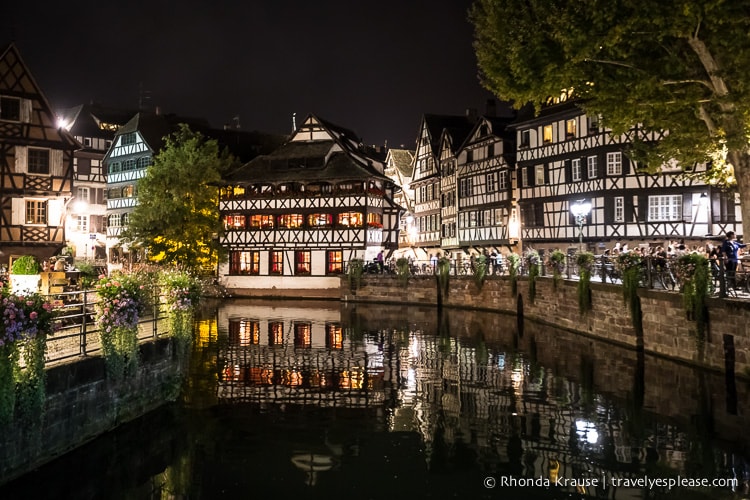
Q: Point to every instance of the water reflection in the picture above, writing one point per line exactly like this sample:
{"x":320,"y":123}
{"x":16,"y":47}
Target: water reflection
{"x":372,"y":401}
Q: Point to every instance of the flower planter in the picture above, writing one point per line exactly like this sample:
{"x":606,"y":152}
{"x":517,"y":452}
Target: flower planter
{"x":24,"y":284}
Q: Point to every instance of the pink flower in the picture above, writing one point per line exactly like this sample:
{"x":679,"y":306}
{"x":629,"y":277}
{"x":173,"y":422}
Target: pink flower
{"x":33,"y":315}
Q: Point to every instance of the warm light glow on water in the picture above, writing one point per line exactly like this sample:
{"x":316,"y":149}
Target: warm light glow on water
{"x":285,"y":400}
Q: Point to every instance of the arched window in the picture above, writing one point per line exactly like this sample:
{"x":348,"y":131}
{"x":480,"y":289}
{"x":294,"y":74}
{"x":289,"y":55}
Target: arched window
{"x":114,"y":167}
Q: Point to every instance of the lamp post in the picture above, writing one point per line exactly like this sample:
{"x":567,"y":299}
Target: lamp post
{"x":580,"y":211}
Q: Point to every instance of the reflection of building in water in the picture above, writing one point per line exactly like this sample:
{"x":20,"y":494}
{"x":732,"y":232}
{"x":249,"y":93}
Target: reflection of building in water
{"x":515,"y":416}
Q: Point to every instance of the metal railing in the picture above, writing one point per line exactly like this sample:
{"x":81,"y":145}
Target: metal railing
{"x":77,"y":334}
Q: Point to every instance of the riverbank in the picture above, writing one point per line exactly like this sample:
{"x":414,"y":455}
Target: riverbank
{"x":666,"y":329}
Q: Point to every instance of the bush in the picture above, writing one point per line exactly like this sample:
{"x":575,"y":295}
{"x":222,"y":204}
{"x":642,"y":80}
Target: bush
{"x":26,"y":264}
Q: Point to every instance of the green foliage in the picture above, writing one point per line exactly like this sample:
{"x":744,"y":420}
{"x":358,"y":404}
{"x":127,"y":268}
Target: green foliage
{"x":122,"y":299}
{"x":402,"y":271}
{"x":177,"y":216}
{"x":442,"y":275}
{"x":680,"y":66}
{"x":534,"y":262}
{"x":182,"y":292}
{"x":25,"y":264}
{"x":88,"y":274}
{"x":692,"y":272}
{"x":480,"y":271}
{"x":354,"y":273}
{"x":630,"y":265}
{"x":513,"y":263}
{"x":557,"y":264}
{"x":585,"y":263}
{"x":8,"y":366}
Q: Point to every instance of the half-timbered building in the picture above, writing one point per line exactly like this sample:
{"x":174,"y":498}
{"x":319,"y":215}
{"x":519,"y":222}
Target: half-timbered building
{"x":399,"y":167}
{"x":484,"y":178}
{"x":439,"y":135}
{"x":565,"y":156}
{"x":94,"y":127}
{"x":36,"y":165}
{"x":294,"y":218}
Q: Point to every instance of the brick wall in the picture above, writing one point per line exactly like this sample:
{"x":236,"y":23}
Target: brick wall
{"x":666,"y":329}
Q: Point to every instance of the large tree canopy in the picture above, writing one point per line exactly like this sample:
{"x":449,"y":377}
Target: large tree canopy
{"x":177,"y":216}
{"x":673,"y":65}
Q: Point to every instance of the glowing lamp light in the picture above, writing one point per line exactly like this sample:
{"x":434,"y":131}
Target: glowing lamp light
{"x":580,"y":211}
{"x":514,"y":227}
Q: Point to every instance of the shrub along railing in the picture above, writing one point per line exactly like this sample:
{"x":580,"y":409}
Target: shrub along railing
{"x":78,"y":334}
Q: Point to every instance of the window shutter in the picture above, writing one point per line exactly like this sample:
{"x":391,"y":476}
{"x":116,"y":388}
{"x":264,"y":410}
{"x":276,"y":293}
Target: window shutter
{"x":56,"y":162}
{"x":546,"y":173}
{"x":26,"y":110}
{"x":22,"y":159}
{"x":642,"y":208}
{"x":18,"y":211}
{"x":625,"y":165}
{"x":687,"y":207}
{"x":55,"y":212}
{"x":531,"y":175}
{"x":568,"y":171}
{"x":609,"y":210}
{"x":629,"y":209}
{"x":584,"y":169}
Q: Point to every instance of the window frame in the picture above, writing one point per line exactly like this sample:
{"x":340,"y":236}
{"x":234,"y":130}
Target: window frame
{"x":664,"y":208}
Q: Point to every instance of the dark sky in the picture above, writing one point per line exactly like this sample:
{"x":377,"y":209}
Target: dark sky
{"x":372,"y":66}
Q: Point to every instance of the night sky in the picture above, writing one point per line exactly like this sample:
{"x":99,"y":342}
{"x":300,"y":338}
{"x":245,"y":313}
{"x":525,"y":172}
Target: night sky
{"x":372,"y":66}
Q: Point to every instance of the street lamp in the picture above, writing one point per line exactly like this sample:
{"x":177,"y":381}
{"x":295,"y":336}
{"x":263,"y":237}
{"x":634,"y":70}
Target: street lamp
{"x":580,"y":211}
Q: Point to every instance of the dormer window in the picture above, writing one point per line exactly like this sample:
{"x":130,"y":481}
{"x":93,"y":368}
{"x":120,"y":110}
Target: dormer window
{"x":547,"y":134}
{"x":570,"y":129}
{"x":525,"y":138}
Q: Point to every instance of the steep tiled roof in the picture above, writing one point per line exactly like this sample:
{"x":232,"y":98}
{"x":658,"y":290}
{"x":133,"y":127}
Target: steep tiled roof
{"x":402,"y":160}
{"x":458,"y":126}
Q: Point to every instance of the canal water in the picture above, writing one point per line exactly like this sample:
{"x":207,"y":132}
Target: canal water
{"x":328,"y":400}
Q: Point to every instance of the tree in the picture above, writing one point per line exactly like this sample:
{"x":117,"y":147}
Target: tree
{"x":177,"y":216}
{"x":678,"y":66}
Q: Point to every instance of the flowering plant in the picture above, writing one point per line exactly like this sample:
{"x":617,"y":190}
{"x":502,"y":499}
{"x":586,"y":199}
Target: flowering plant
{"x":182,"y":293}
{"x":121,"y":303}
{"x":26,"y":322}
{"x":692,"y":274}
{"x":556,"y":264}
{"x":376,"y":225}
{"x":628,"y":260}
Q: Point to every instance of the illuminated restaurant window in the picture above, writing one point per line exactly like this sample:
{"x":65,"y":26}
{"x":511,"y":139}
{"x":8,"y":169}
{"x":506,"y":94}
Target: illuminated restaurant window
{"x":247,"y":262}
{"x":302,"y":262}
{"x":276,"y":262}
{"x":302,"y":335}
{"x":374,"y":220}
{"x":334,"y":336}
{"x":334,"y":262}
{"x":349,"y":219}
{"x":260,"y":222}
{"x":234,"y":222}
{"x":291,"y":220}
{"x":244,"y":332}
{"x":276,"y":333}
{"x":319,"y":220}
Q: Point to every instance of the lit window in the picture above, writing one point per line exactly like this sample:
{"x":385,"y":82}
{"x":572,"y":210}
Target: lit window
{"x":335,"y":262}
{"x":244,"y":332}
{"x":247,"y":262}
{"x":547,"y":134}
{"x":302,"y":335}
{"x":334,"y":336}
{"x":291,"y":220}
{"x":234,"y":222}
{"x":319,"y":220}
{"x":570,"y":129}
{"x":276,"y":262}
{"x":349,"y":219}
{"x":539,"y":175}
{"x":302,"y":262}
{"x":275,"y":333}
{"x":665,"y":208}
{"x":261,"y":222}
{"x":36,"y":211}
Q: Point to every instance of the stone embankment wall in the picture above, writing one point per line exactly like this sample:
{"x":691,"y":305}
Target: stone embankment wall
{"x":82,"y":404}
{"x":667,"y":331}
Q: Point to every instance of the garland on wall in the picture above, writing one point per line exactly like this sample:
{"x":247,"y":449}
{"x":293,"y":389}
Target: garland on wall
{"x":556,"y":264}
{"x":692,"y":272}
{"x":630,"y":265}
{"x":181,"y":292}
{"x":534,"y":262}
{"x":513,"y":262}
{"x":585,"y":262}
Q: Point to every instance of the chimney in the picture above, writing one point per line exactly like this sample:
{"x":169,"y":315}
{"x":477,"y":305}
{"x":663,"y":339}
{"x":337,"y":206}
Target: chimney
{"x":490,"y":108}
{"x":471,"y":114}
{"x":158,"y":110}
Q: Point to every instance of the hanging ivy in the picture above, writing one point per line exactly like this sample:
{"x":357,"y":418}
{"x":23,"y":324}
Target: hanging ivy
{"x":442,"y":274}
{"x":480,"y":271}
{"x":585,"y":262}
{"x":402,"y":271}
{"x":630,"y":265}
{"x":182,"y":292}
{"x":556,"y":264}
{"x":534,"y":262}
{"x":354,"y":273}
{"x":692,"y":272}
{"x":513,"y":263}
